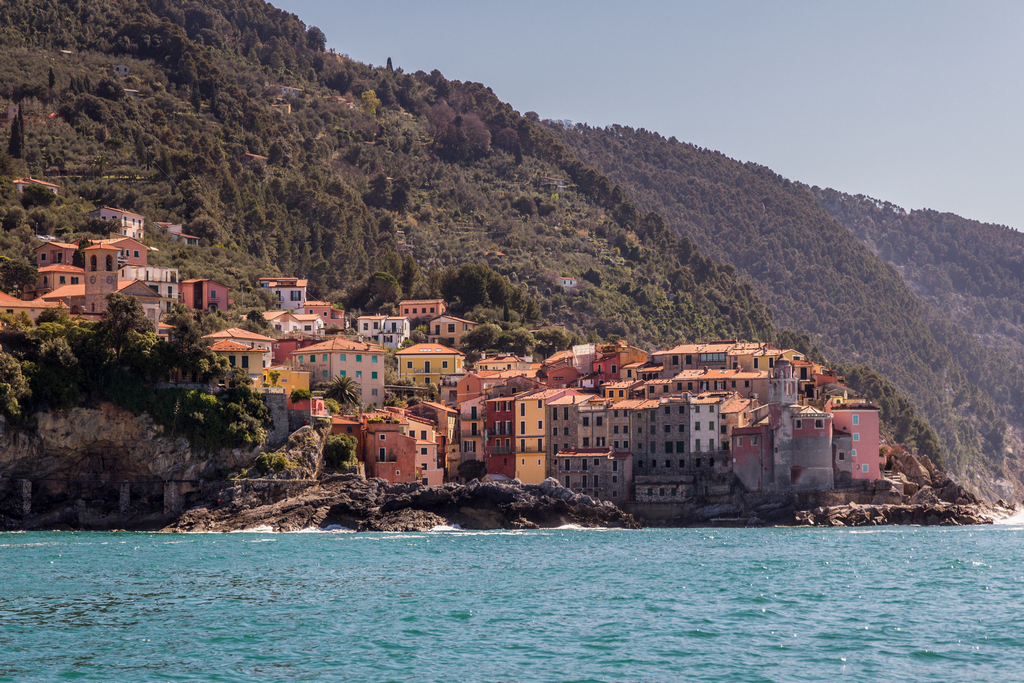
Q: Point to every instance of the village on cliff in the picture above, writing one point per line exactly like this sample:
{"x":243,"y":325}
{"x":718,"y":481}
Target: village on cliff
{"x":607,"y":420}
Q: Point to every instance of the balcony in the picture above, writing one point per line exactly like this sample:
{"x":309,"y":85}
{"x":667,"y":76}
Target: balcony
{"x":501,"y":450}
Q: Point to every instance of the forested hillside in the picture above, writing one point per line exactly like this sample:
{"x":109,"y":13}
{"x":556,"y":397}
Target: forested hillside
{"x":441,"y":170}
{"x":820,"y":279}
{"x":974,"y":271}
{"x":376,"y":184}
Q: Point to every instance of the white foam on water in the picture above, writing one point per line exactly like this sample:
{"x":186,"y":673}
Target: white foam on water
{"x":1012,"y":519}
{"x":330,"y":528}
{"x":263,"y":529}
{"x":445,"y":527}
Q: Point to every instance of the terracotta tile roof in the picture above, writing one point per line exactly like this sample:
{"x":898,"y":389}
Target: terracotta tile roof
{"x":59,"y":245}
{"x":35,"y":303}
{"x":573,"y":399}
{"x":341,"y":344}
{"x":417,"y":302}
{"x":60,"y":268}
{"x":33,"y":181}
{"x":65,"y":291}
{"x":317,"y":303}
{"x":421,"y":349}
{"x":228,"y":345}
{"x":238,"y":333}
{"x":452,"y":317}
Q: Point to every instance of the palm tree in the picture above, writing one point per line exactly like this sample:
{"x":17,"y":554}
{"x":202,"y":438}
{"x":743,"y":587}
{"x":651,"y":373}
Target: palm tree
{"x":345,"y":391}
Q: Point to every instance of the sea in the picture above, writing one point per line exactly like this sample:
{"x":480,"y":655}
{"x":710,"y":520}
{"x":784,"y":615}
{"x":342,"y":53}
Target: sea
{"x":569,"y":604}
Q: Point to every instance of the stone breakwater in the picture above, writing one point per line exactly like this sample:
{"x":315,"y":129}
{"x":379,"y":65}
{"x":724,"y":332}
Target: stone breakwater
{"x":374,"y":505}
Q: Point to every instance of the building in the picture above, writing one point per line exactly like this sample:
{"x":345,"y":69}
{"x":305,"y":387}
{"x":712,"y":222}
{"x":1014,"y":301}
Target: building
{"x":506,"y":361}
{"x":55,"y":254}
{"x":130,"y":224}
{"x":417,"y":309}
{"x":290,"y":90}
{"x":500,"y":452}
{"x":449,"y":330}
{"x":121,"y":71}
{"x":340,"y":357}
{"x":175,"y":231}
{"x":240,"y":355}
{"x":249,"y":339}
{"x":163,"y":281}
{"x":387,"y":330}
{"x":601,"y":473}
{"x":30,"y":308}
{"x":282,"y":348}
{"x":287,"y":377}
{"x":332,"y":317}
{"x":290,"y":291}
{"x":99,"y":281}
{"x":472,"y":429}
{"x":287,"y":322}
{"x":401,"y":449}
{"x":567,"y":282}
{"x":446,"y":431}
{"x":52,"y":277}
{"x":860,"y":421}
{"x":204,"y":295}
{"x":428,"y":363}
{"x":531,"y":413}
{"x":21,"y":183}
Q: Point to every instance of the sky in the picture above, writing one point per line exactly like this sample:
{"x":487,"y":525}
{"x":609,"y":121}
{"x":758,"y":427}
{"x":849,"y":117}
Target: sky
{"x":916,"y":103}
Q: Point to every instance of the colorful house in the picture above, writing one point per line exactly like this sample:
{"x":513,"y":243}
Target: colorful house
{"x":21,"y":183}
{"x":130,"y":224}
{"x":204,"y":295}
{"x":290,"y":291}
{"x":55,"y":253}
{"x":417,"y":309}
{"x":288,"y":378}
{"x":240,"y":355}
{"x":340,"y":357}
{"x":250,"y":339}
{"x":531,"y":410}
{"x":860,"y":421}
{"x":428,"y":363}
{"x":447,"y":329}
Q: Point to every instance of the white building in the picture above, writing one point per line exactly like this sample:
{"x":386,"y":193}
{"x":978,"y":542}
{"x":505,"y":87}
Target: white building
{"x":132,"y":224}
{"x":163,"y":281}
{"x":287,"y":322}
{"x":388,"y":331}
{"x":21,"y":183}
{"x":290,"y":291}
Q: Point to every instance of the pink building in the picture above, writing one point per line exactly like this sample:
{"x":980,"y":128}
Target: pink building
{"x":204,"y":295}
{"x":860,"y":421}
{"x":326,"y":311}
{"x":55,"y":254}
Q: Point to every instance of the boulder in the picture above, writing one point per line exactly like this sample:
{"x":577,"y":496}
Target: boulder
{"x":914,"y":471}
{"x":926,"y":496}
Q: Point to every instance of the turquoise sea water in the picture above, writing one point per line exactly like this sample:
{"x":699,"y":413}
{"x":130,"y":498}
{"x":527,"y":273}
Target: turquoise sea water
{"x":883,"y":604}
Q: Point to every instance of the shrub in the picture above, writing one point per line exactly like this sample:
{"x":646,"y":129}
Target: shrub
{"x":272,"y":462}
{"x":340,"y":451}
{"x":300,"y":395}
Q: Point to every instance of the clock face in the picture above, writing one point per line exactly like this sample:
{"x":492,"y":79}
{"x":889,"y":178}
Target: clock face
{"x":92,"y":279}
{"x":110,"y":279}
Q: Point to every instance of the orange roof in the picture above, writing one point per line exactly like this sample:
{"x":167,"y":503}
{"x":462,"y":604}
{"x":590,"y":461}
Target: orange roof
{"x":452,"y":317}
{"x":305,"y":316}
{"x":317,"y":303}
{"x":284,"y":281}
{"x":35,"y":303}
{"x":238,"y":333}
{"x":8,"y":297}
{"x":572,"y":399}
{"x":421,"y":349}
{"x":59,"y":245}
{"x":416,"y":302}
{"x":706,"y":373}
{"x":65,"y":291}
{"x":228,"y":345}
{"x":61,"y":268}
{"x":544,"y":394}
{"x":340,"y":344}
{"x":33,"y":181}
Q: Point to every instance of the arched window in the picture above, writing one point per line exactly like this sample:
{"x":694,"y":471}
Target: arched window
{"x":93,"y":307}
{"x":92,"y":262}
{"x":110,"y":262}
{"x":75,"y":310}
{"x":46,"y":281}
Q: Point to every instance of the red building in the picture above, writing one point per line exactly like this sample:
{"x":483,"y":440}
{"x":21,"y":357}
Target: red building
{"x":204,"y":295}
{"x":501,"y":436}
{"x":283,"y":347}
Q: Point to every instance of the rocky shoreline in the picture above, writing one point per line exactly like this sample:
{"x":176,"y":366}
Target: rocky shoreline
{"x":350,"y":502}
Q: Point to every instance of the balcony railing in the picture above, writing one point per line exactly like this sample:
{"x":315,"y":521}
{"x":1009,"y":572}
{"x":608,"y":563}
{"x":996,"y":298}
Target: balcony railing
{"x":501,"y":450}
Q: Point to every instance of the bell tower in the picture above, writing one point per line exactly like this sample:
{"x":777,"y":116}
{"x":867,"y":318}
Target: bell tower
{"x":100,"y":276}
{"x":782,"y":386}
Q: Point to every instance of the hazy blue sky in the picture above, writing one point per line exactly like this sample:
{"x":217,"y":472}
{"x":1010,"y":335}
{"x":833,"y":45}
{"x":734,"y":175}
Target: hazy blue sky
{"x":918,"y":103}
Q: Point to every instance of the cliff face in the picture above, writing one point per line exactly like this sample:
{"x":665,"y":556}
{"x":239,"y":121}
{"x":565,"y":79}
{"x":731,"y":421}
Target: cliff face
{"x":107,"y":443}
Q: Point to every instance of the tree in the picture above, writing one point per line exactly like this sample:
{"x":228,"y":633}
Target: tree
{"x":481,"y":337}
{"x":390,"y":68}
{"x":124,"y":314}
{"x":13,"y":387}
{"x":385,"y":287}
{"x":16,"y":143}
{"x":34,"y":195}
{"x":518,"y":341}
{"x":315,"y":39}
{"x":15,"y":274}
{"x":552,"y":341}
{"x":53,"y":78}
{"x":273,"y":376}
{"x":340,"y":451}
{"x":256,"y":320}
{"x":371,"y":103}
{"x":344,"y":390}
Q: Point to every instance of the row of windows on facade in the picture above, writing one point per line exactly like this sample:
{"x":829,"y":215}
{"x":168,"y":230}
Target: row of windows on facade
{"x":583,"y":484}
{"x":599,"y":420}
{"x":426,"y":366}
{"x":567,"y":464}
{"x":653,"y":464}
{"x":343,"y":359}
{"x":639,"y":430}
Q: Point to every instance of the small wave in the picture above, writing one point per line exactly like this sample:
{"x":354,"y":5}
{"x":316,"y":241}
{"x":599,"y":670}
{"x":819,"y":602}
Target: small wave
{"x":446,"y":527}
{"x":330,"y":528}
{"x":262,"y":529}
{"x":1012,"y":519}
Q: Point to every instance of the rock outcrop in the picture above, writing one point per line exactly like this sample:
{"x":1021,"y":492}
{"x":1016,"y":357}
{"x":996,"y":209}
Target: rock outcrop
{"x":375,"y":505}
{"x":932,"y":513}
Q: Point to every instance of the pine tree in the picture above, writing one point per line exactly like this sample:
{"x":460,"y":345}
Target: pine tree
{"x":389,"y":65}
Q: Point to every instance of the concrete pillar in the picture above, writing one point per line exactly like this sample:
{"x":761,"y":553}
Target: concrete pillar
{"x":172,"y":504}
{"x":26,"y":497}
{"x":124,"y":504}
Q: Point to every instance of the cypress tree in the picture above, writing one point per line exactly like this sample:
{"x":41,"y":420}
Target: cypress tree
{"x":16,"y":144}
{"x":53,"y":78}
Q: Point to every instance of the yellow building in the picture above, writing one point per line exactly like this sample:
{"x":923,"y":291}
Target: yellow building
{"x":245,"y":357}
{"x":287,"y":377}
{"x":428,"y":363}
{"x":531,"y":421}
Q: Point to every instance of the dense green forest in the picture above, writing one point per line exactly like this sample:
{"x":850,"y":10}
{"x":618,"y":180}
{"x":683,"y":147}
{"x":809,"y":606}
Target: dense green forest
{"x":971,"y":270}
{"x":378,"y":184}
{"x":821,"y":280}
{"x":438,"y":169}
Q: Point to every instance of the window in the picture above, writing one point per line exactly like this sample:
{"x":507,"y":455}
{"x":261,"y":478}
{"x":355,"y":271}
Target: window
{"x":522,"y":427}
{"x":864,"y":467}
{"x":373,"y":359}
{"x":554,"y":432}
{"x":444,"y":364}
{"x":245,"y":361}
{"x":586,"y":442}
{"x":567,"y":482}
{"x":359,"y":358}
{"x":668,"y":410}
{"x":819,"y":424}
{"x":584,"y":481}
{"x":408,"y":365}
{"x":753,"y":441}
{"x":799,"y":424}
{"x":668,"y":447}
{"x":696,"y":426}
{"x":344,"y":357}
{"x":231,"y":360}
{"x":856,"y":419}
{"x":373,"y":375}
{"x":675,"y":360}
{"x":739,"y":442}
{"x":540,"y":424}
{"x":586,"y":421}
{"x":323,"y":373}
{"x":296,"y":296}
{"x":853,"y":453}
{"x":359,"y":374}
{"x":523,"y":460}
{"x":696,"y":447}
{"x":680,"y":447}
{"x":599,"y":421}
{"x":668,"y":428}
{"x":300,"y":359}
{"x":373,"y":392}
{"x":856,"y":436}
{"x":696,"y":409}
{"x":842,"y":455}
{"x":136,"y":253}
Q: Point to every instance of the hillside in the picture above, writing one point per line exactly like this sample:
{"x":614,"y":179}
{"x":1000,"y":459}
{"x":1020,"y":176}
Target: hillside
{"x":440,"y":170}
{"x":376,"y":184}
{"x":821,"y":280}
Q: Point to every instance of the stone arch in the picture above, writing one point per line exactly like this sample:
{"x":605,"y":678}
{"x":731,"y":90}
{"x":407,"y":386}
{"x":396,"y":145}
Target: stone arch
{"x":92,"y":262}
{"x":110,"y":262}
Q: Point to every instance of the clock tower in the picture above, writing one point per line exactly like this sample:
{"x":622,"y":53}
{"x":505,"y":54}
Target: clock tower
{"x":100,"y":276}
